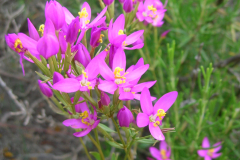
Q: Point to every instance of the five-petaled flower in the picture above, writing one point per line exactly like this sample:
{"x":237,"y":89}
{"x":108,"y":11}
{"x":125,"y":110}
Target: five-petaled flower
{"x":209,"y":154}
{"x":153,"y":116}
{"x":163,"y":153}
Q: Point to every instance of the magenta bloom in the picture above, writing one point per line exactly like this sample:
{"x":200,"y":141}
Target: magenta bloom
{"x":86,"y":121}
{"x":108,"y":2}
{"x":125,"y":117}
{"x":164,"y":34}
{"x":151,"y":11}
{"x":209,"y":154}
{"x":118,"y":38}
{"x":72,"y":32}
{"x":33,"y":33}
{"x":104,"y":101}
{"x":54,"y":11}
{"x":85,"y":81}
{"x":153,"y":116}
{"x":45,"y":89}
{"x":57,"y":77}
{"x":118,"y":76}
{"x":82,"y":55}
{"x":163,"y":153}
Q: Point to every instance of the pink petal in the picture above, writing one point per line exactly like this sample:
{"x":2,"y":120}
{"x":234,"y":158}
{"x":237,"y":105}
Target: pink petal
{"x":215,"y":155}
{"x":108,"y":86}
{"x":119,"y":59}
{"x":137,"y":73}
{"x":146,"y":103}
{"x":84,"y":107}
{"x":166,"y":101}
{"x":202,"y":152}
{"x":133,"y":37}
{"x":82,"y":133}
{"x":67,"y":85}
{"x":124,"y":96}
{"x":33,"y":33}
{"x":139,"y":63}
{"x":138,"y":46}
{"x":163,"y":145}
{"x":207,"y":158}
{"x":99,"y":16}
{"x":68,"y":15}
{"x":156,"y":132}
{"x":137,"y":97}
{"x":142,"y":120}
{"x":155,"y":152}
{"x":139,"y":87}
{"x":74,"y":123}
{"x":217,"y":148}
{"x":205,"y":143}
{"x":95,"y":124}
{"x":105,"y":71}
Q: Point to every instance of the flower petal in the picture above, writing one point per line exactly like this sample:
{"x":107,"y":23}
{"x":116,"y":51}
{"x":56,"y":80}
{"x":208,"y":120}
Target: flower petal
{"x":74,"y":123}
{"x":124,"y":96}
{"x":139,"y":87}
{"x":133,"y":37}
{"x":156,"y":132}
{"x":163,"y":145}
{"x":105,"y":71}
{"x":215,"y":155}
{"x":67,"y":85}
{"x":33,"y":33}
{"x":135,"y":74}
{"x":108,"y":86}
{"x":68,"y":15}
{"x":155,"y":152}
{"x":218,"y":146}
{"x":202,"y":152}
{"x":119,"y":59}
{"x":142,"y":120}
{"x":95,"y":124}
{"x":205,"y":143}
{"x":166,"y":101}
{"x":146,"y":103}
{"x":82,"y":133}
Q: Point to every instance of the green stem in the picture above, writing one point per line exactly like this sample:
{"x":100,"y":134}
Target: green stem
{"x":98,"y":147}
{"x":85,"y":148}
{"x":129,"y":147}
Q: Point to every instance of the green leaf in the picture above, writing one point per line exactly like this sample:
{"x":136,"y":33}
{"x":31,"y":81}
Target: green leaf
{"x":106,"y":128}
{"x":147,"y":141}
{"x":115,"y":144}
{"x":114,"y":156}
{"x":96,"y":155}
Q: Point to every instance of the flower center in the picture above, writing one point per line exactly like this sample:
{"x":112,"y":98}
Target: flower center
{"x":160,"y":114}
{"x":84,"y":82}
{"x":210,"y":152}
{"x":117,"y":75}
{"x":83,"y":13}
{"x":18,"y":45}
{"x":120,"y":32}
{"x":163,"y":153}
{"x":84,"y":74}
{"x":144,"y":14}
{"x":41,"y":29}
{"x":84,"y":115}
{"x":124,"y":43}
{"x":100,"y":38}
{"x":151,"y":8}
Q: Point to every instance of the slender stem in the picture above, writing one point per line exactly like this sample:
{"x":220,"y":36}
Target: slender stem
{"x":92,"y":52}
{"x":98,"y":147}
{"x":85,"y":148}
{"x":96,"y":136}
{"x":120,"y":136}
{"x":84,"y":41}
{"x":129,"y":147}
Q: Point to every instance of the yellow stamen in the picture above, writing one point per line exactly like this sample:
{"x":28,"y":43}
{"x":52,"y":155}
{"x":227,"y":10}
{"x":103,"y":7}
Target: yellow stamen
{"x":151,"y":8}
{"x":84,"y":74}
{"x":18,"y":45}
{"x":163,"y":153}
{"x":100,"y":39}
{"x":156,"y":123}
{"x":83,"y":13}
{"x":124,"y":43}
{"x":210,"y":152}
{"x":161,"y":113}
{"x":41,"y":29}
{"x":87,"y":21}
{"x":79,"y":30}
{"x":133,"y":92}
{"x":84,"y":115}
{"x":120,"y":32}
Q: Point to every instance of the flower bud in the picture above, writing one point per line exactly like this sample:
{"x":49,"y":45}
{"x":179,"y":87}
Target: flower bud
{"x":96,"y":36}
{"x":128,"y":6}
{"x":72,"y":32}
{"x":108,"y":2}
{"x":104,"y":101}
{"x":45,"y":89}
{"x":82,"y":55}
{"x":55,"y":12}
{"x":125,"y":117}
{"x":164,"y":34}
{"x":33,"y":33}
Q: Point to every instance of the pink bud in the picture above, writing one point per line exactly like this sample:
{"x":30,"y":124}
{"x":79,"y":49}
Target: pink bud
{"x":45,"y":89}
{"x":125,"y":117}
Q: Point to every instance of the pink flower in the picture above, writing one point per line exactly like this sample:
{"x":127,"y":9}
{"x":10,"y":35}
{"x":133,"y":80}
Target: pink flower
{"x":86,"y":121}
{"x":209,"y":154}
{"x":125,"y":117}
{"x":163,"y":153}
{"x":153,"y":116}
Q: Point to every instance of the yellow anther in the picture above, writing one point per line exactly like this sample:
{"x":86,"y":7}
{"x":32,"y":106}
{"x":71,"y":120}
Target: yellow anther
{"x":151,"y":8}
{"x":79,"y":30}
{"x":124,"y":43}
{"x":117,"y":72}
{"x":87,"y":21}
{"x":163,"y":153}
{"x":84,"y":115}
{"x":18,"y":45}
{"x":106,"y":50}
{"x":41,"y":29}
{"x":84,"y":74}
{"x":123,"y":81}
{"x":155,"y":124}
{"x":210,"y":152}
{"x":65,"y":37}
{"x":133,"y":92}
{"x":83,"y":13}
{"x":161,"y":113}
{"x":100,"y":38}
{"x":120,"y":32}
